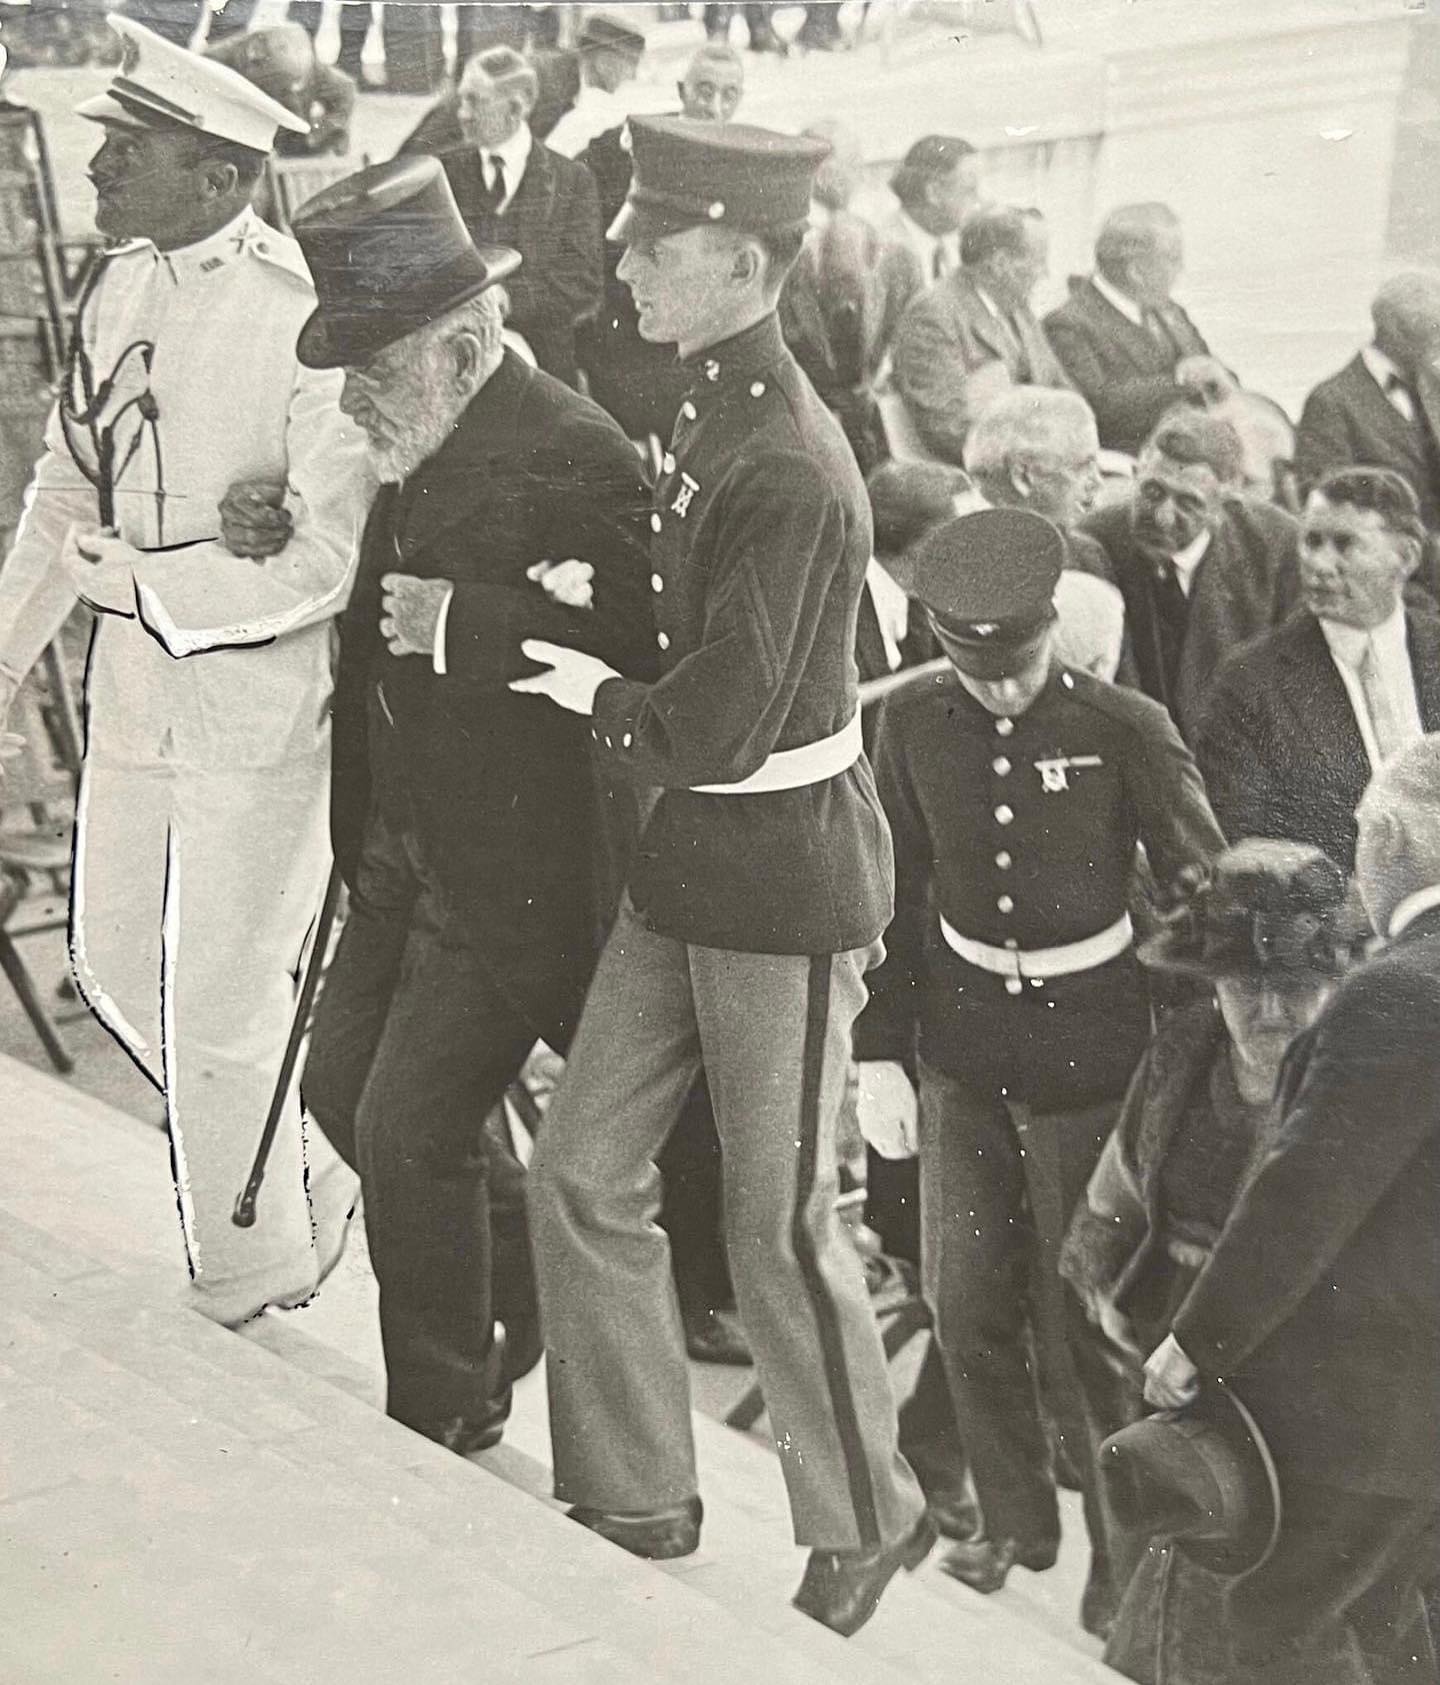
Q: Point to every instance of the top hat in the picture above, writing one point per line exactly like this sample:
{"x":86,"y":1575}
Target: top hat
{"x":1266,"y":907}
{"x":1203,"y":1477}
{"x":988,"y":579}
{"x":162,"y":86}
{"x":389,"y":253}
{"x":731,"y":175}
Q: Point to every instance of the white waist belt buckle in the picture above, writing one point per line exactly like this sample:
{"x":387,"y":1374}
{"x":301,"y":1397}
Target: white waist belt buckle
{"x":1016,"y":964}
{"x":791,"y":769}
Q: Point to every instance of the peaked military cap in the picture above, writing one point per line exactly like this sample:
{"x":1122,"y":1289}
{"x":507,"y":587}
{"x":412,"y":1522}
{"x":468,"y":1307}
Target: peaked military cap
{"x":389,"y":253}
{"x":988,"y":579}
{"x":729,"y":174}
{"x":600,"y":31}
{"x":162,"y":86}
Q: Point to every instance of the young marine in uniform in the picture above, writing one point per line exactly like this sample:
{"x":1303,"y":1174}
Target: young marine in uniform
{"x":761,"y":888}
{"x":1017,"y":790}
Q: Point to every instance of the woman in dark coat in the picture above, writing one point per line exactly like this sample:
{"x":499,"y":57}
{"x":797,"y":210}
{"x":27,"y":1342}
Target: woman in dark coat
{"x":1272,"y":932}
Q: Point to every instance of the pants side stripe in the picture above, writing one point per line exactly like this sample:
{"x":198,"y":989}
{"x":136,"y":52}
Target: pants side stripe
{"x":827,"y":1321}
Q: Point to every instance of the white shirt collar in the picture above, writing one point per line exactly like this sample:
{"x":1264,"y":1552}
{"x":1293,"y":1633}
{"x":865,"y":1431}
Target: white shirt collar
{"x":987,"y":301}
{"x":1187,"y":560}
{"x":1412,"y":907}
{"x":1122,"y":301}
{"x":1349,"y":643}
{"x":925,"y":244}
{"x":514,"y":155}
{"x":1382,"y":368}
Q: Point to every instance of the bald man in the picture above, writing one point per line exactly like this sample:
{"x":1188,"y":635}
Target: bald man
{"x":1125,"y":343}
{"x":1382,"y":410}
{"x":513,"y":190}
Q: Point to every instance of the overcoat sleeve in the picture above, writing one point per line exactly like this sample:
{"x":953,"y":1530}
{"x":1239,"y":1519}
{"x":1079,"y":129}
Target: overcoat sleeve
{"x":1176,"y":824}
{"x":717,"y":714}
{"x":203,"y":598}
{"x":1367,"y":1102}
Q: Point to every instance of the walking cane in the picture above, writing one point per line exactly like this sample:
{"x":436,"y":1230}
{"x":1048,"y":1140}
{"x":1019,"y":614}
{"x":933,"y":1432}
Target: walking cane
{"x":243,"y":1216}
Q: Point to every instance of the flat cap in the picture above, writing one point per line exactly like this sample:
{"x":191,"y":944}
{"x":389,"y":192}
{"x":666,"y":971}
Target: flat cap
{"x":162,"y":86}
{"x":988,"y":579}
{"x":601,"y":31}
{"x":688,"y":174}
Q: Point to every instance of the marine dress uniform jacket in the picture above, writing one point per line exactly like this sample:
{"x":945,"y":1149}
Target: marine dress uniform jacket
{"x":552,"y":220}
{"x":742,"y":945}
{"x":205,"y":785}
{"x":1279,"y":746}
{"x":1125,"y":372}
{"x":1247,"y":581}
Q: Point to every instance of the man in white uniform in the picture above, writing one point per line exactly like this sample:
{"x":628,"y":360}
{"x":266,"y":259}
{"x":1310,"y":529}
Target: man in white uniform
{"x":201,"y":837}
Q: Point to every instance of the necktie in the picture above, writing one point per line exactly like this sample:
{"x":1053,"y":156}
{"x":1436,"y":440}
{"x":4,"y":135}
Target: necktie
{"x":1402,"y":395}
{"x":1022,"y":356}
{"x":1172,"y":615}
{"x":495,"y":192}
{"x":1155,"y":327}
{"x":940,"y":263}
{"x":1392,"y":731}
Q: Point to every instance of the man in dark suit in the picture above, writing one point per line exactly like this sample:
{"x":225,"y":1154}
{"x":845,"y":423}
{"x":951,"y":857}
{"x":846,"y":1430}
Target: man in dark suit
{"x":1320,"y":1303}
{"x":973,"y":335}
{"x":937,"y":184}
{"x":461,"y":814}
{"x":1123,"y":340}
{"x":1201,"y":569}
{"x":1382,"y":410}
{"x":1299,"y":719}
{"x":512,"y":190}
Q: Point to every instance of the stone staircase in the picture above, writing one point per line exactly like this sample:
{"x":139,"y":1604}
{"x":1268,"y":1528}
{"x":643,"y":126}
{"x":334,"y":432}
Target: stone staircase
{"x":181,"y":1504}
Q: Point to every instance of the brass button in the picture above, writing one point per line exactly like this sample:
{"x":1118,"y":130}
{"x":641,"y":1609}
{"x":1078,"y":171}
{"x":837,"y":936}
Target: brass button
{"x":1013,"y":986}
{"x":657,"y":584}
{"x":1000,"y":766}
{"x":656,"y":523}
{"x":1006,"y":903}
{"x":663,"y":639}
{"x":1004,"y":815}
{"x":1004,"y":860}
{"x":1004,"y":727}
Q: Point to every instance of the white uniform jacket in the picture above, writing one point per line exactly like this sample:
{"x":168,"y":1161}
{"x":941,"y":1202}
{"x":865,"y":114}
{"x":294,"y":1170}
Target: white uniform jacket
{"x":217,"y":323}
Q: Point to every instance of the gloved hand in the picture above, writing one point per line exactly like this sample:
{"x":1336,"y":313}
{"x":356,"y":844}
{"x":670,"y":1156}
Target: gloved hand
{"x":570,"y":583}
{"x":101,"y":568}
{"x":888,"y":1110}
{"x":1171,"y":1380}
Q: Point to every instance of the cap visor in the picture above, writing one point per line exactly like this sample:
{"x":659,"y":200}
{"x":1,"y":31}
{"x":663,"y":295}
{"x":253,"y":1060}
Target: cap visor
{"x":103,"y":109}
{"x":647,"y":222}
{"x":995,"y":658}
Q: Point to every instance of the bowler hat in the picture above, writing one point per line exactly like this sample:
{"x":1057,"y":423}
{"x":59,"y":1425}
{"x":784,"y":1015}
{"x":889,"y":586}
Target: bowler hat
{"x":1266,"y":907}
{"x":988,"y":579}
{"x":389,"y":253}
{"x":1203,"y":1477}
{"x":727,"y":175}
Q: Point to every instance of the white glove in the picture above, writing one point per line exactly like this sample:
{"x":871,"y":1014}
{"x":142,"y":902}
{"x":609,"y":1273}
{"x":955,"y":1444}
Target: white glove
{"x":888,"y":1111}
{"x":101,"y":568}
{"x":572,"y":680}
{"x":570,"y":583}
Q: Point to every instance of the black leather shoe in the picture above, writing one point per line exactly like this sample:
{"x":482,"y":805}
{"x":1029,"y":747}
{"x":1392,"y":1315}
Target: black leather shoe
{"x":767,"y":41}
{"x":716,"y":1337}
{"x":464,"y":1435}
{"x":659,"y":1536}
{"x":984,"y":1564}
{"x":841,"y":1588}
{"x":957,"y":1515}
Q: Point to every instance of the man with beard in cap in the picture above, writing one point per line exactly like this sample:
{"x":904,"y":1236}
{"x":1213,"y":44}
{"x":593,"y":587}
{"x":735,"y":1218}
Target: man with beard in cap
{"x":760,"y":889}
{"x":201,"y":850}
{"x":1017,"y":790}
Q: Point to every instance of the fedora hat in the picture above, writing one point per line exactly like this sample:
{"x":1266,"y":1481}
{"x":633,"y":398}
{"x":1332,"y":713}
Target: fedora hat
{"x":1203,"y":1477}
{"x":389,"y":253}
{"x":1266,"y":908}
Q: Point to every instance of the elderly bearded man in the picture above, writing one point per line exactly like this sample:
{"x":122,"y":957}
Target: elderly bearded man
{"x":760,"y":889}
{"x":200,"y":848}
{"x":462,"y":815}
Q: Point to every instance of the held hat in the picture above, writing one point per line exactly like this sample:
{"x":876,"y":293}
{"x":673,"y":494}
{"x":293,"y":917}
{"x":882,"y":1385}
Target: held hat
{"x":988,"y":579}
{"x":1266,"y":908}
{"x":162,"y":86}
{"x":729,"y":175}
{"x":389,"y":253}
{"x":1203,"y":1477}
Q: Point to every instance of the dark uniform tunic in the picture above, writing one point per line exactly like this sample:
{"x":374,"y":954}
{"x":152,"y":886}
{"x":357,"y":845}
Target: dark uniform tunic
{"x":762,"y":535}
{"x":750,"y":921}
{"x":1022,"y":832}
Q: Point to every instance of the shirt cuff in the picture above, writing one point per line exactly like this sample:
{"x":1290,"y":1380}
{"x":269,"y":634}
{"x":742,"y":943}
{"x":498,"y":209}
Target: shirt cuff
{"x":437,"y":654}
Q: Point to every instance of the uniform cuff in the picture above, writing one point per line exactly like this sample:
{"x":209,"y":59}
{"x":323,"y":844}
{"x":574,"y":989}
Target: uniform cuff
{"x":442,"y":620}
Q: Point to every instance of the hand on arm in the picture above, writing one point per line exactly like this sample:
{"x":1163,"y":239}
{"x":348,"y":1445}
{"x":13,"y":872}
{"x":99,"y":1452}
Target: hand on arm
{"x":410,"y":612}
{"x":1171,"y":1379}
{"x":254,"y":521}
{"x":572,"y":679}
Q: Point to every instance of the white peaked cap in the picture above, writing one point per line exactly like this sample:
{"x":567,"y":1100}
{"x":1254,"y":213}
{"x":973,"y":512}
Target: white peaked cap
{"x":159,"y":83}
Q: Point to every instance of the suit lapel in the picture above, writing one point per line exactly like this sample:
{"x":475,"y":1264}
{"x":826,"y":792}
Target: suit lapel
{"x":1134,"y":340}
{"x":1307,"y":678}
{"x":1422,"y":635}
{"x":1402,"y":436}
{"x":534,"y":197}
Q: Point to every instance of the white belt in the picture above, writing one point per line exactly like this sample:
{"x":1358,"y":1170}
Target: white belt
{"x":789,"y":769}
{"x":1013,"y":964}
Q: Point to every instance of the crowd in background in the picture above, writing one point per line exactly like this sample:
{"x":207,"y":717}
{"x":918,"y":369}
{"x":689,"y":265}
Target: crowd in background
{"x":1144,"y":1080}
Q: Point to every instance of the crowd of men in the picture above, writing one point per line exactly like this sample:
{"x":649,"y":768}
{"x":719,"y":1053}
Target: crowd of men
{"x":618,"y":461}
